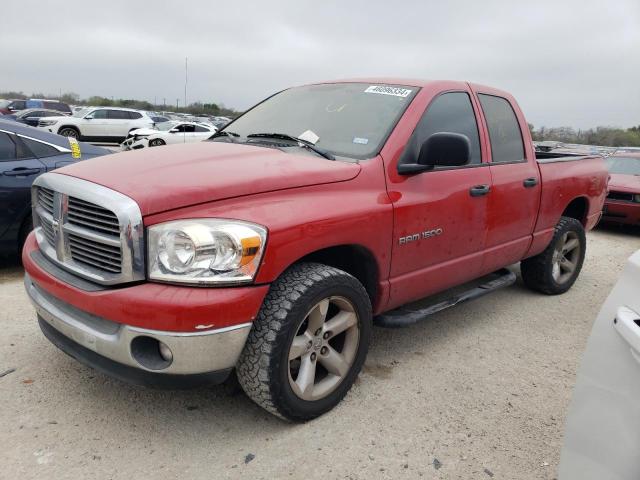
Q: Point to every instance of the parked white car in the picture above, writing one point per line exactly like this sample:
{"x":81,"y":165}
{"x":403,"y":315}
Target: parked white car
{"x":602,"y":433}
{"x":101,"y":124}
{"x":167,"y":133}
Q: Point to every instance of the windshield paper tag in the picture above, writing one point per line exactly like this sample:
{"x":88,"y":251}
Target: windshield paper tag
{"x":361,"y":141}
{"x":309,"y":136}
{"x":384,"y":90}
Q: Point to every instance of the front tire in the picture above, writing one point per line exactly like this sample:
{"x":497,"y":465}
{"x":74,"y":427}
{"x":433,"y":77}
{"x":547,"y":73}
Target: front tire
{"x":156,"y":142}
{"x":555,"y":270}
{"x":308,"y":342}
{"x":69,"y":132}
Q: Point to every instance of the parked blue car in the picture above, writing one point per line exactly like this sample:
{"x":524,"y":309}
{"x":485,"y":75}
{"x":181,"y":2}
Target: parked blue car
{"x":25,"y":153}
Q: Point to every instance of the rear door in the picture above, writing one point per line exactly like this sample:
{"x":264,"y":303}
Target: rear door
{"x":117,"y":123}
{"x":440,"y":218}
{"x":515,"y":191}
{"x":602,"y":432}
{"x":18,"y":170}
{"x":201,"y":133}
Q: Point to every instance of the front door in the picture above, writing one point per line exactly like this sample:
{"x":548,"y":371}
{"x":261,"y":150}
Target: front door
{"x":16,"y":176}
{"x":440,"y":217}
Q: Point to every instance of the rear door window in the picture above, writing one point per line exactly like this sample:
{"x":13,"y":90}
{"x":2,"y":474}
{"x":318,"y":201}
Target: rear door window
{"x":40,"y":149}
{"x":117,"y":115}
{"x":134,"y":115}
{"x":504,"y":131}
{"x":7,"y":148}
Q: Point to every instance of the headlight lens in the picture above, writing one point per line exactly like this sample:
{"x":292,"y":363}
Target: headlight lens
{"x":46,"y":123}
{"x":205,"y":251}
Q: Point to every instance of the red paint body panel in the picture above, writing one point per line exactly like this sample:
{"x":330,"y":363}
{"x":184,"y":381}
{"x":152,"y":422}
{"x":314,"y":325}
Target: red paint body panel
{"x":155,"y":306}
{"x":310,"y":204}
{"x":181,"y":175}
{"x":625,"y":213}
{"x":304,"y":220}
{"x":620,"y":211}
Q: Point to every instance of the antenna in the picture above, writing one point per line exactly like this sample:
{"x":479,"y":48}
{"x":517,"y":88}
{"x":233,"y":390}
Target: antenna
{"x":184,"y":133}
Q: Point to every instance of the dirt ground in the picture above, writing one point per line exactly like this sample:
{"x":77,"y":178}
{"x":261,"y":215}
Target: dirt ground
{"x":478,"y":391}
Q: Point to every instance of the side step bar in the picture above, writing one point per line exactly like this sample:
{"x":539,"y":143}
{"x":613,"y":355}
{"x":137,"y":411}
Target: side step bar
{"x":403,"y":316}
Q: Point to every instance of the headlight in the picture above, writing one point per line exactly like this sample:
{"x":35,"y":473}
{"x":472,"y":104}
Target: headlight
{"x":636,"y":198}
{"x":46,"y":123}
{"x":205,"y":251}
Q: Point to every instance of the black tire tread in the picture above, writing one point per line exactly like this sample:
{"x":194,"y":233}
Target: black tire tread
{"x":258,"y":366}
{"x":535,"y":270}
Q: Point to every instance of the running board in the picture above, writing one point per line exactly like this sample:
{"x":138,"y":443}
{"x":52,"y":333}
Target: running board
{"x":403,"y":317}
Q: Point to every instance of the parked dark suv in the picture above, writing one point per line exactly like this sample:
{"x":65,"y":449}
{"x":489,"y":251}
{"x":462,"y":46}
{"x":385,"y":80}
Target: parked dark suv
{"x":50,"y":105}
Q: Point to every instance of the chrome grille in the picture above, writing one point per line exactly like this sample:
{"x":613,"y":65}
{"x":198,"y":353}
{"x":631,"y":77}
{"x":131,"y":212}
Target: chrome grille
{"x":88,"y":229}
{"x":49,"y":233}
{"x":45,"y":199}
{"x":95,"y":254}
{"x":91,"y":216}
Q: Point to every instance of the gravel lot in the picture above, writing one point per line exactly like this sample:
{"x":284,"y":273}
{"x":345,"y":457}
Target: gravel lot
{"x":478,"y":391}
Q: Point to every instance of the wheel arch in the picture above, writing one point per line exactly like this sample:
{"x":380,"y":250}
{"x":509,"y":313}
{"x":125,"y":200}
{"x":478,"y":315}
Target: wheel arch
{"x":578,"y":209}
{"x":75,"y":127}
{"x":354,"y":259}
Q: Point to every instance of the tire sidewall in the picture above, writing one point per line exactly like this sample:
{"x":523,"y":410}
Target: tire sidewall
{"x":156,"y":142}
{"x":76,"y":133}
{"x":568,"y":225}
{"x":280,"y":368}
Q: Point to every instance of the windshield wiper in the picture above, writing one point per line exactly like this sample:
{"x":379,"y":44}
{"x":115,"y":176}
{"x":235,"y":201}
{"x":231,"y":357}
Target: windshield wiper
{"x":223,"y":133}
{"x":304,"y":143}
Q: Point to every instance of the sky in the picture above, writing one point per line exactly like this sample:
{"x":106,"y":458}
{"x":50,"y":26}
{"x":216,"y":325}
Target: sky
{"x":568,"y":62}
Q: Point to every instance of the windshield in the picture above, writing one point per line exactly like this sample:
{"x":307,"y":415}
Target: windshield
{"x":348,"y":119}
{"x":624,"y":165}
{"x":165,"y":126}
{"x":4,"y":103}
{"x":81,"y":113}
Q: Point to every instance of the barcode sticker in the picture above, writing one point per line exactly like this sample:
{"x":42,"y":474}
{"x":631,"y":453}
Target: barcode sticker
{"x":385,"y":90}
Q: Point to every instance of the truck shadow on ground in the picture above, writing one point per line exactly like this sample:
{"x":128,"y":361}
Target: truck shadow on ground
{"x":214,"y":412}
{"x":10,"y":268}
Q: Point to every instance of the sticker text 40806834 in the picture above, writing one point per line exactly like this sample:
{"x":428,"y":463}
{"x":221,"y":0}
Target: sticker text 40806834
{"x":386,"y":90}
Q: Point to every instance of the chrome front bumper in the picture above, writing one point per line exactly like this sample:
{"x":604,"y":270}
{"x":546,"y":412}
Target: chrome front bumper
{"x":193,"y":352}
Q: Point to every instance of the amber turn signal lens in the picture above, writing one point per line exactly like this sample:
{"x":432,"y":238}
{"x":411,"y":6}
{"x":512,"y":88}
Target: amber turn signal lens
{"x":250,"y":248}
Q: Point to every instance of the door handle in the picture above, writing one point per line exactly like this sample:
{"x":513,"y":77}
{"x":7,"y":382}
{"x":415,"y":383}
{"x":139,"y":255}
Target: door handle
{"x":627,"y":324}
{"x":479,"y":190}
{"x":530,"y":182}
{"x":21,"y":172}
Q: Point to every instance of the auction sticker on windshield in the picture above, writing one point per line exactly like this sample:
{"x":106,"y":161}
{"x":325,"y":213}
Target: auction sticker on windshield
{"x":384,"y":90}
{"x":75,"y":147}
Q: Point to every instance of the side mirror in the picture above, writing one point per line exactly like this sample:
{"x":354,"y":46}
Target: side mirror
{"x":173,"y":130}
{"x":442,"y":149}
{"x":88,"y":117}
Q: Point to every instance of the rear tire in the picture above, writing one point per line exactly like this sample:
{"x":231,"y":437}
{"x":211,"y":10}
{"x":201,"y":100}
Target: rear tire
{"x":308,"y":342}
{"x":69,"y":132}
{"x":555,"y":270}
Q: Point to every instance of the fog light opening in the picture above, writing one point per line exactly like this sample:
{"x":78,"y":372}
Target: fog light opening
{"x":150,"y":353}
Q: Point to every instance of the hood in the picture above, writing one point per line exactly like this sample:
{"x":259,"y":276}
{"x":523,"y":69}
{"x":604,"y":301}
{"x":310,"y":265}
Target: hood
{"x":144,"y":131}
{"x":175,"y":176}
{"x":624,"y":183}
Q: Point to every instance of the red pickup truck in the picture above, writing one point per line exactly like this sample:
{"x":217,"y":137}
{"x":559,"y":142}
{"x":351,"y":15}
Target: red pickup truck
{"x":274,"y":247}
